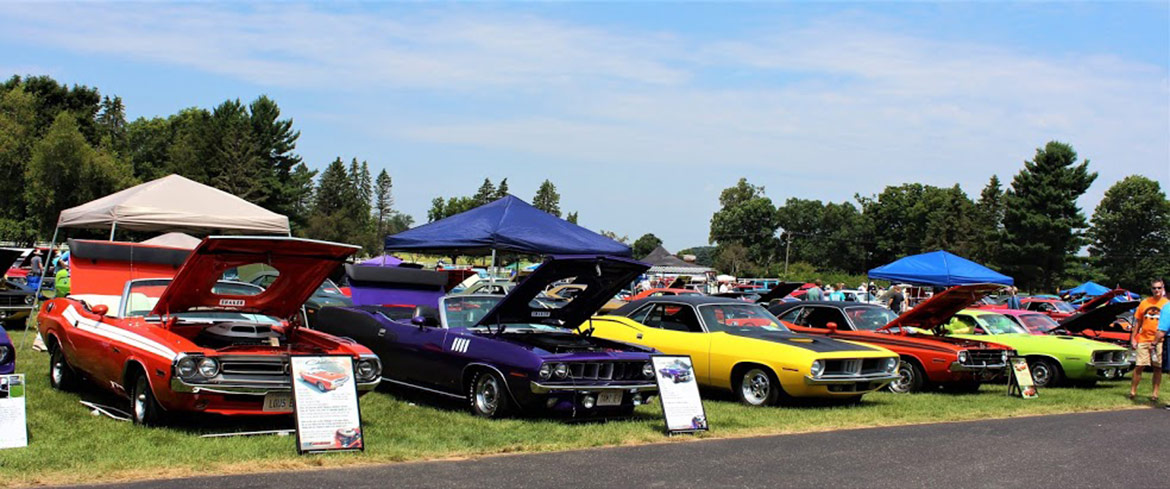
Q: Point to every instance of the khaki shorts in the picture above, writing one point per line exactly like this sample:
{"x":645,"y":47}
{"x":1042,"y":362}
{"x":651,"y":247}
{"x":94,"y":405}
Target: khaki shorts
{"x":1144,"y":359}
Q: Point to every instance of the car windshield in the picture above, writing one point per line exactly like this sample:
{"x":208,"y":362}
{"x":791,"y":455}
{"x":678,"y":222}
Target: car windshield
{"x":1063,"y":306}
{"x":999,"y":324}
{"x":869,"y":318}
{"x":1037,"y":323}
{"x":739,"y":318}
{"x":466,"y":312}
{"x":329,"y":288}
{"x":142,"y":295}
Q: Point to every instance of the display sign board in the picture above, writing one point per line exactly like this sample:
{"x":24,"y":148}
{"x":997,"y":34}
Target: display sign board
{"x":681,"y":405}
{"x":13,"y":424}
{"x":1020,"y":381}
{"x":325,"y":402}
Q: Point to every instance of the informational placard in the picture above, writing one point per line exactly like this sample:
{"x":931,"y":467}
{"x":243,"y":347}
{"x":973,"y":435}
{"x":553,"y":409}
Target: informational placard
{"x":325,"y":403}
{"x":13,"y":424}
{"x":681,"y":405}
{"x":1020,"y":382}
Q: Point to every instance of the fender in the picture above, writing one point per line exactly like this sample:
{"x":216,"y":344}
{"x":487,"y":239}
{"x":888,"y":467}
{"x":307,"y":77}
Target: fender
{"x":501,"y":374}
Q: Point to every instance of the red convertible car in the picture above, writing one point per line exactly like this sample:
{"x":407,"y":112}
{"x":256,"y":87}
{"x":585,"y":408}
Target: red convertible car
{"x":178,"y":338}
{"x":927,"y":360}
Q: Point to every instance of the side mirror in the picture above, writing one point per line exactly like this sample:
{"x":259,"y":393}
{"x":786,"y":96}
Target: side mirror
{"x":423,"y":321}
{"x":100,"y":310}
{"x":832,"y":327}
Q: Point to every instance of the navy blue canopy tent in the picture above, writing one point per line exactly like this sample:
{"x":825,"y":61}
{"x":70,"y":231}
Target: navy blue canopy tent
{"x":1089,"y":288}
{"x":507,"y":225}
{"x":940,"y":269}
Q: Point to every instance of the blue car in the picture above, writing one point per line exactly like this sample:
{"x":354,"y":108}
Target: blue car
{"x":510,"y":354}
{"x":7,"y":354}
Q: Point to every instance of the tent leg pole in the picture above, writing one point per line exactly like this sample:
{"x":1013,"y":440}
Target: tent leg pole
{"x":493,"y":269}
{"x":113,"y":227}
{"x":37,"y":293}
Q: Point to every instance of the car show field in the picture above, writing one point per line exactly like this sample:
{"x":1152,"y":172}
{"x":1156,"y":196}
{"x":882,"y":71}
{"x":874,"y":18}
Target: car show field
{"x":69,"y":445}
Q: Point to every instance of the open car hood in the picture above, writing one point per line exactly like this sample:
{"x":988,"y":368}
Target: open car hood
{"x":1101,"y":299}
{"x":940,"y":308}
{"x":779,"y":292}
{"x":8,"y":257}
{"x":603,"y":276}
{"x":303,"y":264}
{"x":1097,"y":318}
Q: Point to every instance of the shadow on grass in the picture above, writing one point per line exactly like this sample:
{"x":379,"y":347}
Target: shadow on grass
{"x":449,"y":404}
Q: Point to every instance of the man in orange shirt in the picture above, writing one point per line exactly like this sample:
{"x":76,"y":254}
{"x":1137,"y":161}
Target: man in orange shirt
{"x":1145,"y":338}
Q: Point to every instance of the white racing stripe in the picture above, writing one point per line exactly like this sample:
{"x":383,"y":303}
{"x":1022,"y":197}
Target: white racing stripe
{"x":460,"y":345}
{"x":116,"y":334}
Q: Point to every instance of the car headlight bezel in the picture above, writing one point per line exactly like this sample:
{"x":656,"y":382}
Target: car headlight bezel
{"x":964,"y":356}
{"x":892,"y":364}
{"x":648,"y":370}
{"x":187,"y":367}
{"x":5,"y":354}
{"x":545,"y":371}
{"x":368,"y":369}
{"x":208,"y":367}
{"x":561,"y":371}
{"x":817,"y":368}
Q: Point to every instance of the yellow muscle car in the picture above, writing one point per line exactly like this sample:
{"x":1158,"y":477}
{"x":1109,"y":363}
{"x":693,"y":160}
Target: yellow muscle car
{"x":741,"y":347}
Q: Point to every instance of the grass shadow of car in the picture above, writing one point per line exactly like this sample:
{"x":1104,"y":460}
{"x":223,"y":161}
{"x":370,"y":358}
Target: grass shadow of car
{"x":190,"y":423}
{"x":450,"y":404}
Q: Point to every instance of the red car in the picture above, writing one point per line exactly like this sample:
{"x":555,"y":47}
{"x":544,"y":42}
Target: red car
{"x":1055,"y":308}
{"x":927,"y":359}
{"x":325,"y":380}
{"x":178,"y":338}
{"x":660,"y":292}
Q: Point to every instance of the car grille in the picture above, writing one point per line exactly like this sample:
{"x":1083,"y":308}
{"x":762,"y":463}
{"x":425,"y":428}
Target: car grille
{"x":605,"y":370}
{"x":254,"y":369}
{"x":1109,"y":356}
{"x":12,"y":300}
{"x":854,"y":366}
{"x":984,"y":358}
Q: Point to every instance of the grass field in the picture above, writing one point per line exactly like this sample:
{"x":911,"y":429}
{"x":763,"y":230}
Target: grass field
{"x":69,"y":445}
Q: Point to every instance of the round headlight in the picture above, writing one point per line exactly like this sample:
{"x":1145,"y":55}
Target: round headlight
{"x":818,"y":367}
{"x":368,"y":369}
{"x":648,"y":370}
{"x":208,"y":367}
{"x":545,"y":371}
{"x":28,"y":299}
{"x":964,"y":356}
{"x":891,"y":364}
{"x":561,"y":371}
{"x":1005,"y":356}
{"x":187,"y":367}
{"x":5,"y":351}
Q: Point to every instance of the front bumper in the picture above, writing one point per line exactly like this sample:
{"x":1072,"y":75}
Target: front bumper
{"x":849,"y":379}
{"x":542,"y":388}
{"x":1105,"y":365}
{"x":255,"y":388}
{"x":958,"y":367}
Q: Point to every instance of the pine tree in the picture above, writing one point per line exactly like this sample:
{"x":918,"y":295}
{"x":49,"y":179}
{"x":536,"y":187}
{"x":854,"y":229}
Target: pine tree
{"x":1042,"y":223}
{"x":502,"y":190}
{"x":383,"y":199}
{"x":988,"y":224}
{"x":571,"y":217}
{"x":486,"y":193}
{"x":547,"y":199}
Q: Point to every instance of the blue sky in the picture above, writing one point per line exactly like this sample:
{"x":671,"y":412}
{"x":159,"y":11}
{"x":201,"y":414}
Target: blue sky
{"x":641,"y":113}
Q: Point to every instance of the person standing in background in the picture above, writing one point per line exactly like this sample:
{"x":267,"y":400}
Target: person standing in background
{"x":815,"y":293}
{"x":897,"y":300}
{"x":1013,"y":300}
{"x":36,"y":268}
{"x":1145,"y":338}
{"x":838,"y":293}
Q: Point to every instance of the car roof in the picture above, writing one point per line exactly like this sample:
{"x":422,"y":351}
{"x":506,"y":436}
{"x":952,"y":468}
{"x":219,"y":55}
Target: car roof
{"x":690,"y":299}
{"x":788,"y":305}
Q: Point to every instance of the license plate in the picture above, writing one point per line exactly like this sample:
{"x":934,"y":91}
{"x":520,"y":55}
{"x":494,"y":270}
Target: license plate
{"x":609,"y":398}
{"x":278,"y":402}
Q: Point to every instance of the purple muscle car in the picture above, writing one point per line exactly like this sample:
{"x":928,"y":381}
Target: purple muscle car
{"x":677,"y":371}
{"x":7,"y":354}
{"x":502,"y":354}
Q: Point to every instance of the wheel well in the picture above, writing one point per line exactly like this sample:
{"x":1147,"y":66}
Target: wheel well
{"x":1059,"y":367}
{"x":132,"y":368}
{"x":52,"y":342}
{"x":470,"y":371}
{"x":738,"y":370}
{"x":914,"y":360}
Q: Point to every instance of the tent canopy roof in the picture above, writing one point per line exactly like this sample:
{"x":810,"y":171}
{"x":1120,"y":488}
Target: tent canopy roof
{"x":939,"y":268}
{"x":174,"y":240}
{"x":174,"y":203}
{"x":663,"y":261}
{"x":1088,"y":288}
{"x":508,"y":224}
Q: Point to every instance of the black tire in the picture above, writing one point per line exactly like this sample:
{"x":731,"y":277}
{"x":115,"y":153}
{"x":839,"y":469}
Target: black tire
{"x":320,"y":386}
{"x":911,"y":378}
{"x":61,"y":376}
{"x":144,"y":408}
{"x":1045,"y":372}
{"x":487,"y":396}
{"x":964,"y":387}
{"x":757,"y":386}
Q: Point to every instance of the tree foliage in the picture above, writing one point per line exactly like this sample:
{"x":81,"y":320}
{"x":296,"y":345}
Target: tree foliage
{"x":1042,"y":223}
{"x":748,"y":219}
{"x":547,"y":199}
{"x":645,"y":244}
{"x":1131,"y":233}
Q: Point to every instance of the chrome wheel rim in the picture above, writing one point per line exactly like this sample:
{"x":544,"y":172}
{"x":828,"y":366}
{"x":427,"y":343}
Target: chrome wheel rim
{"x":905,"y":379}
{"x":140,"y":399}
{"x":56,"y":372}
{"x":755,"y":386}
{"x":487,"y":395}
{"x":1040,"y":374}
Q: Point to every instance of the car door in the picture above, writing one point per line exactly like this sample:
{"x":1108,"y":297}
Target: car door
{"x":675,"y":328}
{"x":411,"y":351}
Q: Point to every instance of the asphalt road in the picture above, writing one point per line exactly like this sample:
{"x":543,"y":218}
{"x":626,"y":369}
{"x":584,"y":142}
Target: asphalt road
{"x":1128,"y":449}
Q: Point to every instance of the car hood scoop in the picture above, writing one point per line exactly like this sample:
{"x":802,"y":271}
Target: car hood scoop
{"x":809,"y":342}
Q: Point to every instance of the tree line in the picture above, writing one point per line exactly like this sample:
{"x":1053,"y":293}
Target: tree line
{"x":1032,"y":229}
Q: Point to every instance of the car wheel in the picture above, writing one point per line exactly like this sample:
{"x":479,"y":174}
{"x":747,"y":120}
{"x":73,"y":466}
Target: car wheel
{"x":61,"y":376}
{"x":758,"y":387}
{"x":320,"y":386}
{"x":488,"y":397}
{"x":1045,"y":373}
{"x":144,"y":408}
{"x":910,"y":378}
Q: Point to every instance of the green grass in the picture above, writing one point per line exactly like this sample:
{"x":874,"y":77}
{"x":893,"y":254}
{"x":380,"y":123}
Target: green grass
{"x":69,"y":445}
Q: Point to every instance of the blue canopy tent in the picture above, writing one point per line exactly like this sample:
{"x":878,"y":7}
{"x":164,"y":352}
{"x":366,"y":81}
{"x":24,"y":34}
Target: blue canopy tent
{"x":1089,"y":288}
{"x":508,"y":224}
{"x":940,"y":269}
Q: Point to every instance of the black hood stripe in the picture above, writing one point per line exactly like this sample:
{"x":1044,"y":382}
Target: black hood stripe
{"x":818,"y":344}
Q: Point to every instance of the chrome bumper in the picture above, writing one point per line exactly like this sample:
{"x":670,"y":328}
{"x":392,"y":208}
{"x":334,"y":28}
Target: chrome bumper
{"x":1121,"y":364}
{"x":539,"y":388}
{"x":254,"y":388}
{"x":958,"y":367}
{"x":849,"y":379}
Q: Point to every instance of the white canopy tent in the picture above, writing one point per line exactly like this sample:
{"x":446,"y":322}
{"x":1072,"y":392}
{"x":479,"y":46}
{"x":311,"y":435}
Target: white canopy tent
{"x":174,"y":240}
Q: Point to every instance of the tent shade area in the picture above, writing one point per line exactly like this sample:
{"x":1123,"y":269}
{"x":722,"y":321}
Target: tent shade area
{"x":940,"y":269}
{"x":662,"y":261}
{"x":506,"y":225}
{"x":174,"y":203}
